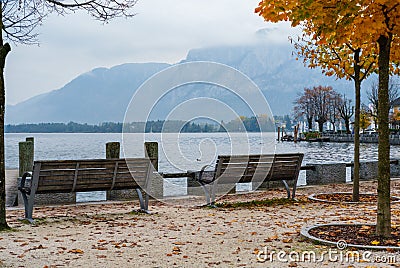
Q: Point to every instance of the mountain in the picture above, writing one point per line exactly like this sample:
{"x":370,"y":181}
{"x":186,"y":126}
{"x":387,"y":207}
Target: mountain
{"x":103,"y":95}
{"x":275,"y":71}
{"x":100,"y":95}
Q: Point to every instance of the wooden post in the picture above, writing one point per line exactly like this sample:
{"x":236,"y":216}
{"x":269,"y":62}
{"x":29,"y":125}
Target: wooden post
{"x":156,"y":184}
{"x":26,"y":152}
{"x":112,"y":150}
{"x":151,"y":151}
{"x":32,"y":140}
{"x":279,"y":133}
{"x":295,"y":134}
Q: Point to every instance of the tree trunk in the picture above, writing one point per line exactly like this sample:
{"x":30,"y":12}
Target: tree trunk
{"x":4,"y":49}
{"x":383,"y":224}
{"x":309,"y":121}
{"x":347,"y":124}
{"x":357,"y":86}
{"x":320,"y":126}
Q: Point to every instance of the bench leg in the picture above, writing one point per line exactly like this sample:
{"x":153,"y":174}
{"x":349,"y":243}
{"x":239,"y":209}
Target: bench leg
{"x":213,"y":190}
{"x":29,"y":212}
{"x":144,"y":204}
{"x":25,"y":198}
{"x":294,"y":189}
{"x":28,"y":204}
{"x":287,"y":188}
{"x":206,"y":192}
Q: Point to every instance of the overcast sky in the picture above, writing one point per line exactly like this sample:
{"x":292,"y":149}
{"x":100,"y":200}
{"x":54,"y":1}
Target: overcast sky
{"x":162,"y":31}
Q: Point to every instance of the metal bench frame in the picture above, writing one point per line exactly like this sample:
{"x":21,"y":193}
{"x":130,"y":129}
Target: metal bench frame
{"x":112,"y":179}
{"x":253,"y":168}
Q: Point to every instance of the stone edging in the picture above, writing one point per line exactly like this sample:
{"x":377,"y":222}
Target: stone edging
{"x":305,"y":233}
{"x":313,"y":198}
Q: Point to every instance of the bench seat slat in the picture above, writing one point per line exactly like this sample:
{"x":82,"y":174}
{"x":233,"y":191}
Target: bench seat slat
{"x":138,"y":178}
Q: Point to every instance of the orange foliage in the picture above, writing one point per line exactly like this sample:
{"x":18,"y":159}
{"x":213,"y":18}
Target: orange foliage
{"x":340,"y":22}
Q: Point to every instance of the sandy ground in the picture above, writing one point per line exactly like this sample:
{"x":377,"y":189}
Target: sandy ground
{"x":110,"y":235}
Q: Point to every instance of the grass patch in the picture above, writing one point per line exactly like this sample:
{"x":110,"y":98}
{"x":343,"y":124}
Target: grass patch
{"x":139,"y":212}
{"x":8,"y":230}
{"x":258,"y":203}
{"x":37,"y":221}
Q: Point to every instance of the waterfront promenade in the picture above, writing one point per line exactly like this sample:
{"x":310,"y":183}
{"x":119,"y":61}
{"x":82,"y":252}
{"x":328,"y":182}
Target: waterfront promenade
{"x":106,"y":234}
{"x":364,"y":138}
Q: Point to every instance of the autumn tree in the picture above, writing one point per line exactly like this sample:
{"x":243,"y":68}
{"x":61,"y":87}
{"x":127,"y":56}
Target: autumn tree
{"x":365,"y":118}
{"x":19,"y":21}
{"x":334,"y":105}
{"x":371,"y":26}
{"x":346,"y":112}
{"x":317,"y":104}
{"x":322,"y":105}
{"x":372,"y":95}
{"x":304,"y":107}
{"x":344,"y":60}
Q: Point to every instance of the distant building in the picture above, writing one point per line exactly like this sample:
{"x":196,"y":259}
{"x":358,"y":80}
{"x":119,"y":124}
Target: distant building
{"x":396,"y":109}
{"x":395,"y":113}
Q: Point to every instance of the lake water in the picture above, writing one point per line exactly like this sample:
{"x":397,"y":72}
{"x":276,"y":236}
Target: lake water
{"x":183,"y":151}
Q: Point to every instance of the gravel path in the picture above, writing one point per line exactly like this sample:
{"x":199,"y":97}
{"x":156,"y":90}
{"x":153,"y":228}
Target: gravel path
{"x":110,"y":235}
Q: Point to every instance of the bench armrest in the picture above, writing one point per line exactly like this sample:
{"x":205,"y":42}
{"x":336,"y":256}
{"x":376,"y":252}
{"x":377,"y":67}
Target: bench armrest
{"x":22,"y":186}
{"x":202,"y":172}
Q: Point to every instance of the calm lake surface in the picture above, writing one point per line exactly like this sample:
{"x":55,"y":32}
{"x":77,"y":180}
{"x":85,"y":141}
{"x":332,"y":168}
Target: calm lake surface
{"x":183,"y":151}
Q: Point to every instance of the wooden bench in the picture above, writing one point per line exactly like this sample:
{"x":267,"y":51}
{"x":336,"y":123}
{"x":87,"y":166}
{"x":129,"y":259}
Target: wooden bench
{"x":231,"y":169}
{"x":68,"y":176}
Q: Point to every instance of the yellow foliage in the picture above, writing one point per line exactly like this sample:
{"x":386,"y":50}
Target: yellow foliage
{"x":365,"y":119}
{"x":337,"y":28}
{"x":375,"y":243}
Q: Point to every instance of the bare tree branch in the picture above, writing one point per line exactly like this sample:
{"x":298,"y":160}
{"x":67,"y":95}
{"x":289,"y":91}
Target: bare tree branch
{"x":21,"y":18}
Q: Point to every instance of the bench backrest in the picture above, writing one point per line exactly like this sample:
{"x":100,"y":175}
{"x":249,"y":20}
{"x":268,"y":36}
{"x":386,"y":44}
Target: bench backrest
{"x":257,"y":168}
{"x":90,"y":175}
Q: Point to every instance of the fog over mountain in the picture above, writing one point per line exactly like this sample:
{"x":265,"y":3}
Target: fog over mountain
{"x":102,"y":94}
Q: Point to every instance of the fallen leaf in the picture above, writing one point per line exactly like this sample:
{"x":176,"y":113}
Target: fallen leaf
{"x":76,"y":251}
{"x":269,"y":239}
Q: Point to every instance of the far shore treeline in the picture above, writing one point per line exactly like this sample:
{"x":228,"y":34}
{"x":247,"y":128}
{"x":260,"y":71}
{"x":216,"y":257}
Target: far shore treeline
{"x":241,"y":124}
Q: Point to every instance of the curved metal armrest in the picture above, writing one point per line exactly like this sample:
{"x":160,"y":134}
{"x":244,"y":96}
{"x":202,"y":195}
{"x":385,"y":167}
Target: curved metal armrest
{"x":203,"y":168}
{"x":21,"y":186}
{"x":202,"y":171}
